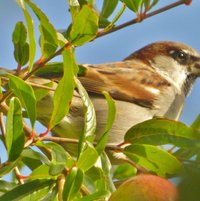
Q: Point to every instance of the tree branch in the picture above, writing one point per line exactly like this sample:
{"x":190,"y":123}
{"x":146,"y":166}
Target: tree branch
{"x":151,"y":14}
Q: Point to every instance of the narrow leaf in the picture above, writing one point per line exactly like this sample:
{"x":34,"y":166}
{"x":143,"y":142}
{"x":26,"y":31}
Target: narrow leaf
{"x":74,"y":8}
{"x":84,"y":27}
{"x":49,"y":40}
{"x":26,"y":95}
{"x":19,"y":34}
{"x":89,"y":117}
{"x":21,"y":47}
{"x":91,"y":154}
{"x":133,"y":5}
{"x":30,"y":187}
{"x":153,"y":3}
{"x":106,"y":169}
{"x":73,"y":184}
{"x":65,"y":89}
{"x":51,"y":70}
{"x":30,"y":26}
{"x":111,"y":112}
{"x":48,"y":45}
{"x":15,"y":137}
{"x":108,"y":8}
{"x":117,"y":16}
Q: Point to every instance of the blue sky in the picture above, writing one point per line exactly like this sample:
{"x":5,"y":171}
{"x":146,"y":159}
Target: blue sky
{"x":178,"y":24}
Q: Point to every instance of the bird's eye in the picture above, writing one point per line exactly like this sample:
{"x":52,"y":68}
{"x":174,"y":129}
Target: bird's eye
{"x":180,"y":56}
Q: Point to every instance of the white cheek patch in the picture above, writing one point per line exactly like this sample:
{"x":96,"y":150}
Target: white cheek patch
{"x":171,"y":70}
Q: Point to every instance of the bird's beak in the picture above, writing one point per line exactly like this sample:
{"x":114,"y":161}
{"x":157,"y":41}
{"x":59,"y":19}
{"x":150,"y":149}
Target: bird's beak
{"x":196,"y":66}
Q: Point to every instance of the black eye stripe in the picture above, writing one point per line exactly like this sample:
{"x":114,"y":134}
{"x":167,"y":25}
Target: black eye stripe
{"x":180,"y":56}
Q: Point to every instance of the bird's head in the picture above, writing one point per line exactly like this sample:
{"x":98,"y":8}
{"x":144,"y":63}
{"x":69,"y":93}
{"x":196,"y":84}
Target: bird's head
{"x":177,"y":62}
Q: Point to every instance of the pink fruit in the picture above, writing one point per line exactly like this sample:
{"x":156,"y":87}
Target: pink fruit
{"x":145,"y":187}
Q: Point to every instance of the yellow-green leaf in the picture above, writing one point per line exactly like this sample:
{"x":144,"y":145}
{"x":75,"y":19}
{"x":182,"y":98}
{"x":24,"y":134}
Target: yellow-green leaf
{"x":65,"y":89}
{"x":31,"y":36}
{"x":15,"y":137}
{"x":26,"y":96}
{"x":84,"y":27}
{"x":48,"y":42}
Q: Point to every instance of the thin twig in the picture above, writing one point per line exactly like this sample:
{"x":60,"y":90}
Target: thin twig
{"x":18,"y":175}
{"x":60,"y":184}
{"x":134,"y":21}
{"x":59,"y":139}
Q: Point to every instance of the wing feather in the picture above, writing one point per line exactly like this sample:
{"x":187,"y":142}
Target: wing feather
{"x":128,"y":80}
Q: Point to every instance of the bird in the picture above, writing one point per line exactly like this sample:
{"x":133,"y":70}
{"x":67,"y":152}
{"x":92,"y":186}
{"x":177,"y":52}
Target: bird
{"x":151,"y":82}
{"x":154,"y":81}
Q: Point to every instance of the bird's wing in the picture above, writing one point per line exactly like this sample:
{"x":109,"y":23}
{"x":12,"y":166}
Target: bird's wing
{"x":125,"y":81}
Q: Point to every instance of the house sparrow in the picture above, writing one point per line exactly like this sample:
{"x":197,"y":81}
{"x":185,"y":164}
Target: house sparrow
{"x":151,"y":82}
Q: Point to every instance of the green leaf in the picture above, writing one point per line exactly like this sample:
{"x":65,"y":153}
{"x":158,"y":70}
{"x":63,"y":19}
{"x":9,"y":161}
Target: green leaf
{"x":41,"y":172}
{"x":111,"y":113}
{"x":9,"y":167}
{"x":186,"y":153}
{"x":163,"y":131}
{"x":117,"y":16}
{"x":6,"y":186}
{"x":134,"y":5}
{"x":90,"y":154}
{"x":26,"y":95}
{"x":108,"y":8}
{"x":153,"y":158}
{"x":84,"y":27}
{"x":64,"y":92}
{"x":21,"y":47}
{"x":73,"y":3}
{"x":15,"y":137}
{"x":30,"y":26}
{"x":149,"y":4}
{"x":103,"y":22}
{"x":59,"y":157}
{"x":42,"y":88}
{"x":124,"y":171}
{"x":89,"y":117}
{"x":100,"y":194}
{"x":19,"y":34}
{"x":33,"y":159}
{"x":188,"y":185}
{"x":49,"y":42}
{"x":74,"y":8}
{"x":98,"y":178}
{"x":51,"y":195}
{"x":61,"y":39}
{"x":54,"y":70}
{"x":72,"y":184}
{"x":22,"y":192}
{"x":196,"y":123}
{"x":21,"y":54}
{"x":106,"y":167}
{"x":51,"y":70}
